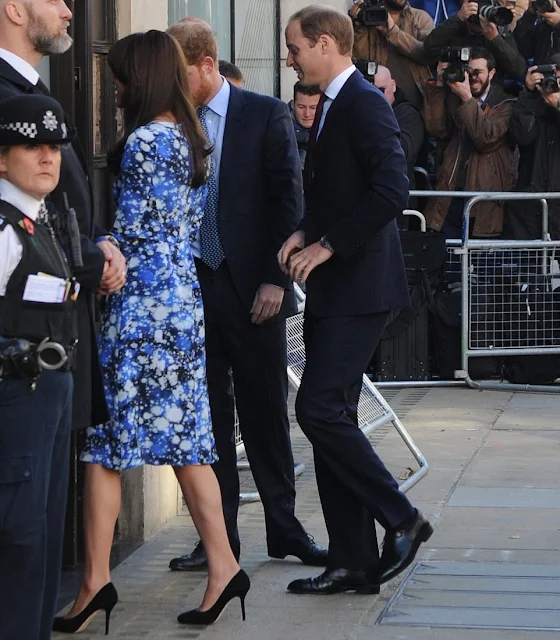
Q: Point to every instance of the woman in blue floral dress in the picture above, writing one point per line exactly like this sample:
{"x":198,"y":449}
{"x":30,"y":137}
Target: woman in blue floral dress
{"x":152,"y":336}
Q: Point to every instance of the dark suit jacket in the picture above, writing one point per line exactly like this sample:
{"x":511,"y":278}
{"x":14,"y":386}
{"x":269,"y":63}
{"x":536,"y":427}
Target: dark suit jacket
{"x":260,"y":192}
{"x":357,"y":188}
{"x":89,"y":398}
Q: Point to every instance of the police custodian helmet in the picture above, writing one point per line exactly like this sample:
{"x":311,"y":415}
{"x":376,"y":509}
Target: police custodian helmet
{"x":32,"y":119}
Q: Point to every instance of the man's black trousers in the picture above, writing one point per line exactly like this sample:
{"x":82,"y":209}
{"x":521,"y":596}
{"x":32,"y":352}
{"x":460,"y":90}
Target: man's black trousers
{"x":34,"y":459}
{"x":354,"y":486}
{"x":253,"y":358}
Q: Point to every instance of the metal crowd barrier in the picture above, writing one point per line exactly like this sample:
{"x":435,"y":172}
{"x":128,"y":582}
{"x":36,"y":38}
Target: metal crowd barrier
{"x":482,"y":329}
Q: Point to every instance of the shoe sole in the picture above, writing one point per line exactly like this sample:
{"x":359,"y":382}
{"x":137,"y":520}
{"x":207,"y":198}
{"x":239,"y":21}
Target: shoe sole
{"x":424,"y":535}
{"x":307,"y":564}
{"x":202,"y":568}
{"x":358,"y":590}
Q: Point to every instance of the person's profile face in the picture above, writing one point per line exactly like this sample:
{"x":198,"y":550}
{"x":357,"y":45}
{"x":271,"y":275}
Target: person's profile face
{"x":303,"y":56}
{"x":304,"y":109}
{"x":47,"y":26}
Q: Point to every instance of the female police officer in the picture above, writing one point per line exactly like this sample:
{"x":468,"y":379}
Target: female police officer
{"x":37,"y":338}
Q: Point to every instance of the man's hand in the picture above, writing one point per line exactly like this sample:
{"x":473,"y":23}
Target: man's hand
{"x":489,"y":29}
{"x":385,"y":28}
{"x":552,"y":19}
{"x":442,"y":66}
{"x":302,"y":263}
{"x":114,"y":272}
{"x":532,"y":79}
{"x":267,"y":303}
{"x":355,"y":9}
{"x":462,"y":89}
{"x":294,"y":243}
{"x":467,"y":10}
{"x":552,"y":100}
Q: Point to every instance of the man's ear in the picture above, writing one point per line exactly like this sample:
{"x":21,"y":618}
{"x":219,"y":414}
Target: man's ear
{"x":491,"y":74}
{"x":15,"y":12}
{"x":208,"y":65}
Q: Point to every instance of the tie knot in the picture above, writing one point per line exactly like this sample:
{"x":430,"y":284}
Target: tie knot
{"x":43,"y":215}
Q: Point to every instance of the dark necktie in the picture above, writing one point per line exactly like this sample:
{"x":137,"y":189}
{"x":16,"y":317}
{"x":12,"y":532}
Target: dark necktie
{"x":211,"y":250}
{"x":42,"y":87}
{"x":313,"y":136}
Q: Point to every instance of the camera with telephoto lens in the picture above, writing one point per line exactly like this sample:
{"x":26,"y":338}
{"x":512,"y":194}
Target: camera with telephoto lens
{"x":457,"y":59}
{"x":368,"y":68}
{"x":492,"y":11}
{"x":544,"y":6}
{"x":372,"y":13}
{"x":549,"y":84}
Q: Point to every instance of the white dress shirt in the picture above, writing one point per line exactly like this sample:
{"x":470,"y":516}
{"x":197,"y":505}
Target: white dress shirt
{"x":216,"y":123}
{"x":10,"y":246}
{"x":20,"y":65}
{"x":332,"y":91}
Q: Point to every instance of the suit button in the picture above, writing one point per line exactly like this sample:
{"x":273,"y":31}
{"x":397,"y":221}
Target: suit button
{"x":27,"y":474}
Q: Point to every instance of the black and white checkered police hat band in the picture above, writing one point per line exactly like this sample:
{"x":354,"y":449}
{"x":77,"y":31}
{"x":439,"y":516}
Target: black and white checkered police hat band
{"x":32,"y":119}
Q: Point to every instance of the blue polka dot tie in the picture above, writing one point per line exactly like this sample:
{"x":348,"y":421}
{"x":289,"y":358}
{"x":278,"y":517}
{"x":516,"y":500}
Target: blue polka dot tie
{"x":211,"y":250}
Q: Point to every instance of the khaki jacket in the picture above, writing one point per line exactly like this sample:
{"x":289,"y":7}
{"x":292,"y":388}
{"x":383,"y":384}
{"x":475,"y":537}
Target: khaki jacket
{"x":408,"y":34}
{"x":491,"y":161}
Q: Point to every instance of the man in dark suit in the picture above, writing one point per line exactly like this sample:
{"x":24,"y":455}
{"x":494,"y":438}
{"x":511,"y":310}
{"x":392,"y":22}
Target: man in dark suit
{"x":348,"y":253}
{"x":29,"y":31}
{"x":254,"y":204}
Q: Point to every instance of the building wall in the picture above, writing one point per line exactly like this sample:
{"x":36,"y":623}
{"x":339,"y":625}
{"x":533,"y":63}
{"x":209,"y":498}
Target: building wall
{"x":288,"y":7}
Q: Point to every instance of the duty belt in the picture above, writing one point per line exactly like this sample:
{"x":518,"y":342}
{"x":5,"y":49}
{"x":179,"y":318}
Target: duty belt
{"x":20,"y":358}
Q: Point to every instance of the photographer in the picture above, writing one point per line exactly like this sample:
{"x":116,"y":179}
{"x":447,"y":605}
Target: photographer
{"x":466,"y":29}
{"x":302,"y":108}
{"x":396,"y":44}
{"x":538,"y":31}
{"x":472,"y":116}
{"x":535,"y":125}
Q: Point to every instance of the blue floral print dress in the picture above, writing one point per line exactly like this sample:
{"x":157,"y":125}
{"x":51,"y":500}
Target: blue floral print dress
{"x":152,"y":337}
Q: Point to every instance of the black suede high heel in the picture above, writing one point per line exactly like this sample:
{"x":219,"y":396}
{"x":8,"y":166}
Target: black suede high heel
{"x":104,"y":600}
{"x":237,"y":587}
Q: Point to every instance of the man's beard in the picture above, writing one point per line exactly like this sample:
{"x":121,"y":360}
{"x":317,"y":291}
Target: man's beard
{"x":43,"y":42}
{"x":482,"y":90}
{"x":203,"y":93}
{"x":394,"y":5}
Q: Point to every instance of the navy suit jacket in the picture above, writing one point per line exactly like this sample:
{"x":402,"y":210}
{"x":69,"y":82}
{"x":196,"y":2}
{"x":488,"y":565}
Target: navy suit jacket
{"x":260,"y":193}
{"x":353,"y":193}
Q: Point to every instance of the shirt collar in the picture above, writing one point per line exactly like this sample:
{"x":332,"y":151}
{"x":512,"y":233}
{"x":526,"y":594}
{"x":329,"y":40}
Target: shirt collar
{"x":219,"y":103}
{"x":20,"y":65}
{"x":27,"y":204}
{"x":336,"y":85}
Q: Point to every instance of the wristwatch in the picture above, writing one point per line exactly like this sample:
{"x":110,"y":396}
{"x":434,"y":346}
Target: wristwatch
{"x":325,"y":243}
{"x":111,"y":239}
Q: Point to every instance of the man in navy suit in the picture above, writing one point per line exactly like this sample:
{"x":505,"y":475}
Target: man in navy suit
{"x":347,"y":251}
{"x":254,"y":204}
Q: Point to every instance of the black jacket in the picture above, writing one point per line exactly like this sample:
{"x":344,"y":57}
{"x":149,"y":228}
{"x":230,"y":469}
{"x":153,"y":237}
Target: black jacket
{"x":260,"y":193}
{"x":356,"y":189}
{"x":89,"y":399}
{"x":412,"y":131}
{"x":536,"y":129}
{"x":453,"y":32}
{"x":536,"y":40}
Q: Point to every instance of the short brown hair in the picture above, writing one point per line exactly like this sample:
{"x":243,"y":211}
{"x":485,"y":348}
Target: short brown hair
{"x":196,"y":39}
{"x":319,"y":19}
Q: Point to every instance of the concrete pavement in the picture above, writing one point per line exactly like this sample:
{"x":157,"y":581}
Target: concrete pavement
{"x":491,"y":571}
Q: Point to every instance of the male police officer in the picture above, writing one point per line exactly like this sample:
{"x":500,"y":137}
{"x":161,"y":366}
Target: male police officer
{"x":38,"y":334}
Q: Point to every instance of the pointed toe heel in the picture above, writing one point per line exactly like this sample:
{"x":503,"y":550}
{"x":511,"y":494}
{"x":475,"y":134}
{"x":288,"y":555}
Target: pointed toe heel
{"x":104,"y":600}
{"x":237,"y":587}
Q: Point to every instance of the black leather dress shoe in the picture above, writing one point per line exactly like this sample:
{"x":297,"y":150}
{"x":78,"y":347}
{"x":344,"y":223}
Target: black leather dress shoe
{"x":195,"y":561}
{"x":335,"y":581}
{"x":400,"y":547}
{"x":306,"y":550}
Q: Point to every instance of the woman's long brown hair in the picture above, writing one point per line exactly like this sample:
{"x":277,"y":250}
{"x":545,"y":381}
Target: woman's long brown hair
{"x":153,"y":70}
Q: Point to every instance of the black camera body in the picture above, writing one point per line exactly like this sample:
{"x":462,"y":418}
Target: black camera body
{"x":368,"y":68}
{"x":372,"y":14}
{"x":549,"y":84}
{"x":458,"y":60}
{"x":544,"y":6}
{"x":492,"y":11}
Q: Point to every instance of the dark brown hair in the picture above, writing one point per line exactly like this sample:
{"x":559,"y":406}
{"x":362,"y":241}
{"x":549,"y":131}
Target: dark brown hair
{"x":196,"y":39}
{"x":153,"y":70}
{"x":306,"y":89}
{"x":319,"y":19}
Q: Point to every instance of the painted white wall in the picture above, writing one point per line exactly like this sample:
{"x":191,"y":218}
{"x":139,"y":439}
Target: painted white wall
{"x":140,"y":15}
{"x":288,"y":7}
